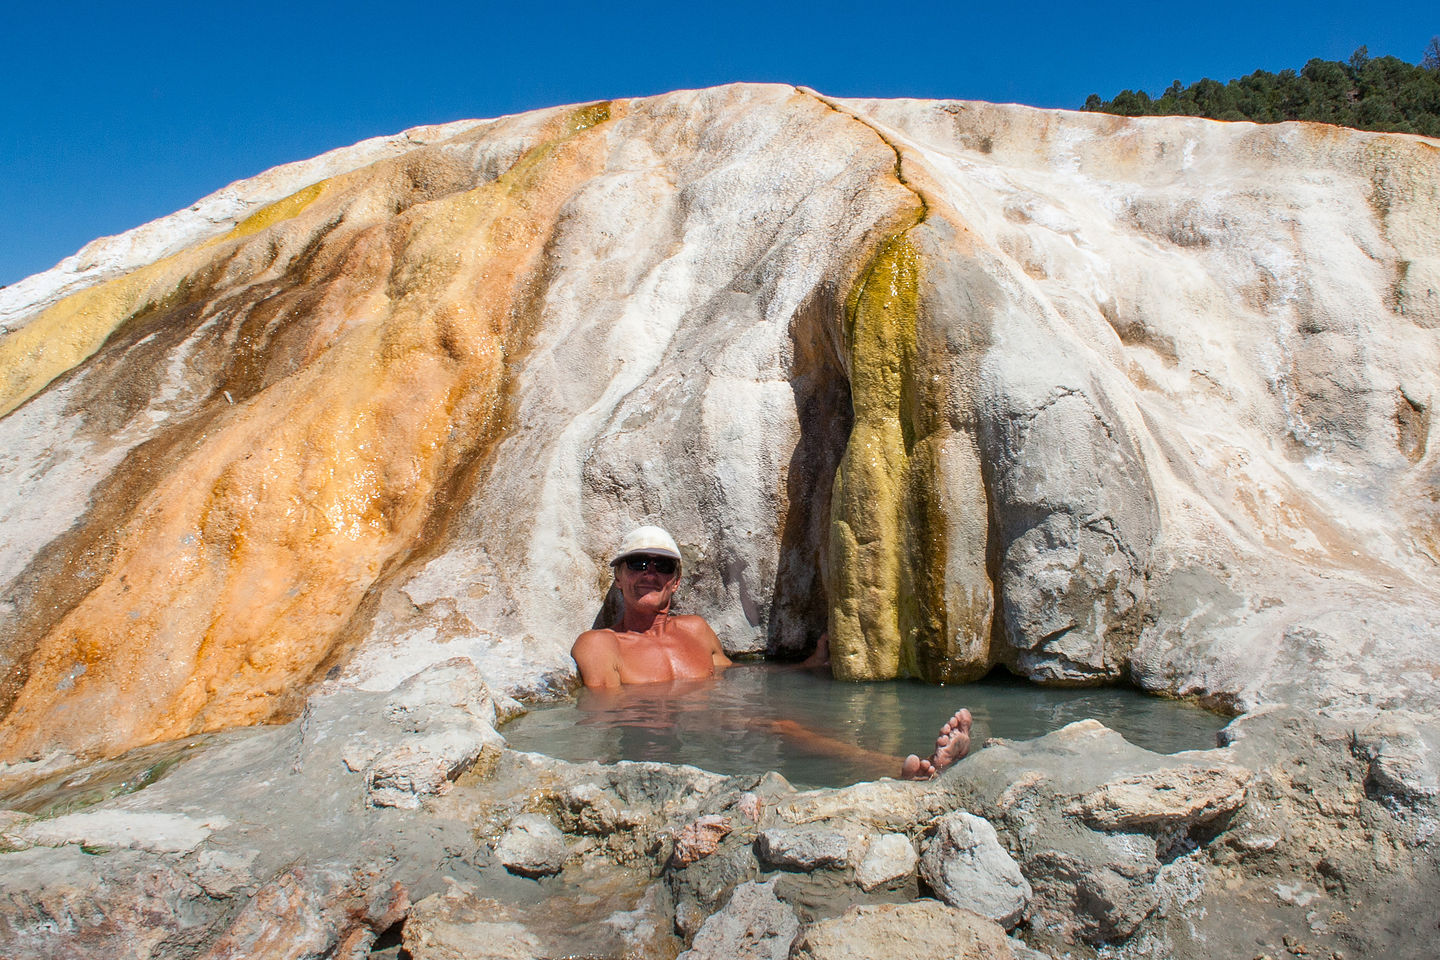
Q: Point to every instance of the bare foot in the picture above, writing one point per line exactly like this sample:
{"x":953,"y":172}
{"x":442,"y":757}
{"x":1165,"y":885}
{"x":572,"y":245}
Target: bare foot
{"x":952,"y":744}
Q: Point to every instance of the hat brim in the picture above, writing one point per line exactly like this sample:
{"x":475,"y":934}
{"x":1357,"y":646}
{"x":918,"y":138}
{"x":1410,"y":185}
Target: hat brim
{"x":648,"y":552}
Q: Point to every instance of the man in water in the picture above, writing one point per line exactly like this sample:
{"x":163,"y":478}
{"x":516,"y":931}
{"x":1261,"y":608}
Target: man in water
{"x":652,"y":645}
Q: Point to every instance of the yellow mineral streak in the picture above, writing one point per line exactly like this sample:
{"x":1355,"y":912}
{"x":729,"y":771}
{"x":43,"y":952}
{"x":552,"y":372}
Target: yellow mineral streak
{"x":70,"y":331}
{"x":904,"y":599}
{"x":278,"y":211}
{"x":867,"y":624}
{"x":236,"y":576}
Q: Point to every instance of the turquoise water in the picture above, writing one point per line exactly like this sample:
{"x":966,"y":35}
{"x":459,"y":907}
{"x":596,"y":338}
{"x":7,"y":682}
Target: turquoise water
{"x":728,"y":724}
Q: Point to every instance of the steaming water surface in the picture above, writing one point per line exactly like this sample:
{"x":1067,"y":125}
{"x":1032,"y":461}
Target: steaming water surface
{"x":726,"y":724}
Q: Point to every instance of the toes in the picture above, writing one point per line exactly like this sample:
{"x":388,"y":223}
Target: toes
{"x":915,"y":768}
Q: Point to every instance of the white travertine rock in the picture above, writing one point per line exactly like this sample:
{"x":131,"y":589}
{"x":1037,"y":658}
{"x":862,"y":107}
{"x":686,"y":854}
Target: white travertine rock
{"x":754,"y":925}
{"x":890,"y":857}
{"x":966,"y":867}
{"x":155,"y":832}
{"x":966,"y":385}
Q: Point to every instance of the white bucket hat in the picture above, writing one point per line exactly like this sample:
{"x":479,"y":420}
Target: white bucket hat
{"x":648,"y":540}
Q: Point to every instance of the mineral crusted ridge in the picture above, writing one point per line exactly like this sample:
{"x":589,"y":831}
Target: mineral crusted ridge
{"x":343,"y":449}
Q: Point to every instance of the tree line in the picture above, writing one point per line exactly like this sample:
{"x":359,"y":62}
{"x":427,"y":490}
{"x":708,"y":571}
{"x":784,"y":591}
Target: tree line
{"x":1368,"y":93}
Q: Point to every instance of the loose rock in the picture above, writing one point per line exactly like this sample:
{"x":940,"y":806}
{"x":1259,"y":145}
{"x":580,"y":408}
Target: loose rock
{"x":424,"y":767}
{"x":699,"y":839}
{"x":802,"y":848}
{"x":532,"y":847}
{"x":754,"y":925}
{"x":922,"y":930}
{"x":1171,"y":798}
{"x":966,"y":867}
{"x":891,"y":857}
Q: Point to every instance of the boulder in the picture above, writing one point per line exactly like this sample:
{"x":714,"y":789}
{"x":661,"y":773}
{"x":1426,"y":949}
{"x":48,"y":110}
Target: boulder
{"x":963,"y":862}
{"x":888,"y":858}
{"x":754,"y":925}
{"x":921,"y":930}
{"x":1170,"y":799}
{"x":532,"y":846}
{"x":423,"y":766}
{"x":802,"y":848}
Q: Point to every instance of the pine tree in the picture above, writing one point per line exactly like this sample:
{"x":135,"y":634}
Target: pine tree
{"x":1372,"y":93}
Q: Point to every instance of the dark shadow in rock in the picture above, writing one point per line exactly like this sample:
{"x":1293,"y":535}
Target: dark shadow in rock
{"x":799,"y":603}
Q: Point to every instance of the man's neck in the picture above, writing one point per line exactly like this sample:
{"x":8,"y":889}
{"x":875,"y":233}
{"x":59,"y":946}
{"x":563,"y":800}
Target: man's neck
{"x":644,"y":621}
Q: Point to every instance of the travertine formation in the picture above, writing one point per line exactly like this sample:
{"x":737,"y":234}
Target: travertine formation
{"x":1094,"y":398}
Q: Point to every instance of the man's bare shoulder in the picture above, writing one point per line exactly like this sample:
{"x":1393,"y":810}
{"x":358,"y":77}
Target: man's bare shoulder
{"x":595,"y":641}
{"x":698,"y":632}
{"x":692,"y":623}
{"x":597,"y":654}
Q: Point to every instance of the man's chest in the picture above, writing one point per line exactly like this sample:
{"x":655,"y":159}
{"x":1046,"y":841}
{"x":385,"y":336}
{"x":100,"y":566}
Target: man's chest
{"x":650,"y":659}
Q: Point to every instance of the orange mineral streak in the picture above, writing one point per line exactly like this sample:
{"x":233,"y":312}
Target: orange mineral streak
{"x":236,"y":575}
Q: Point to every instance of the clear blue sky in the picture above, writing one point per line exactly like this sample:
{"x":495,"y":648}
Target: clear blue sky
{"x":115,"y":113}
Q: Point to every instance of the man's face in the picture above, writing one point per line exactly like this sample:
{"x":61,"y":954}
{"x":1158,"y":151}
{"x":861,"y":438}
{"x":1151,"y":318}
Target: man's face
{"x":643,"y":582}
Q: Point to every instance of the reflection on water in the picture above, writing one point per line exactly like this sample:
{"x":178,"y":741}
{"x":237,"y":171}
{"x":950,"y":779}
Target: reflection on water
{"x":725,"y":724}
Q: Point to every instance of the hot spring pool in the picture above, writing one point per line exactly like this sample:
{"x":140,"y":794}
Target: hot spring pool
{"x":720,"y":724}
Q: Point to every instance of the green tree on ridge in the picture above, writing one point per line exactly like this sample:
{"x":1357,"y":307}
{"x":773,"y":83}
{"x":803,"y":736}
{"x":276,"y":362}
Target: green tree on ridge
{"x":1368,"y":93}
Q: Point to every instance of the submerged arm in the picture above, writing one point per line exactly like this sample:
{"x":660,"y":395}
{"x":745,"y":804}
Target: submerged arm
{"x":951,"y":744}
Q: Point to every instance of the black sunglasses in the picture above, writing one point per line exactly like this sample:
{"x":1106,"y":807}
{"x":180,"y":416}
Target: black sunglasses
{"x":661,"y":565}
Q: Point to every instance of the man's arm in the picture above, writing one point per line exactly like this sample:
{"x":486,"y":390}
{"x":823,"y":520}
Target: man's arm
{"x":598,"y":657}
